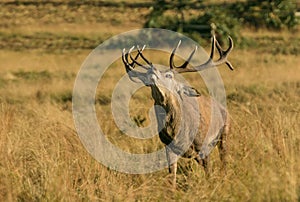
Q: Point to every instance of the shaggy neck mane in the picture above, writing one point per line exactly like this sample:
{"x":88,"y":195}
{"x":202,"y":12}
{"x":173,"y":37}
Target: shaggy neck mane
{"x":171,"y":121}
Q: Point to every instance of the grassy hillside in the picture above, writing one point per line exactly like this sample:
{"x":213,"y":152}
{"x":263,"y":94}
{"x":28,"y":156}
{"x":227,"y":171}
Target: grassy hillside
{"x":42,"y":47}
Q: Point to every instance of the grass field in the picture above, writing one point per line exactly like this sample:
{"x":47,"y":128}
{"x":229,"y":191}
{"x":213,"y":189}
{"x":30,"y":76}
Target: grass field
{"x":42,"y":47}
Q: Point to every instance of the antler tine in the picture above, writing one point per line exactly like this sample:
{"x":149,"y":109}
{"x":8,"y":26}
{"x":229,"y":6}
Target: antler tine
{"x":172,"y":66}
{"x":213,"y":45}
{"x":125,"y":56}
{"x":135,"y":58}
{"x":130,"y":50}
{"x":185,"y":64}
{"x":144,"y":46}
{"x":143,"y":57}
{"x":128,"y":66}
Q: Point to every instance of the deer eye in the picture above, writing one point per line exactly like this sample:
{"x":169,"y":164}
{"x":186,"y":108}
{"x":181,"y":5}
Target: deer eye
{"x":168,"y":75}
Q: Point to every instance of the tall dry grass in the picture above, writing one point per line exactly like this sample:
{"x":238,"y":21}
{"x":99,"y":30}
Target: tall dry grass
{"x":43,"y":159}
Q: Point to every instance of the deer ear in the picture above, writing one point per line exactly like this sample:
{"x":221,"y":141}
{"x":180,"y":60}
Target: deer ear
{"x":190,"y":91}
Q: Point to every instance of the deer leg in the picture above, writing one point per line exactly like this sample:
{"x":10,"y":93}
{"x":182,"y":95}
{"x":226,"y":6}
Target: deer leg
{"x":206,"y":166}
{"x":222,"y":148}
{"x":172,"y":157}
{"x":204,"y":162}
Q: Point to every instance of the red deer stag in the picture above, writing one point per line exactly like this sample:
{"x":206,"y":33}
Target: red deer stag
{"x":182,"y":117}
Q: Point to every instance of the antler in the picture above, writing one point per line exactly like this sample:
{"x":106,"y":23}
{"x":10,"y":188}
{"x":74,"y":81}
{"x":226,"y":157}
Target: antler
{"x":209,"y":63}
{"x":130,"y":65}
{"x":172,"y":66}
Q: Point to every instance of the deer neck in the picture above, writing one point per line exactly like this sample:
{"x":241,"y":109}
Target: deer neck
{"x":169,"y":121}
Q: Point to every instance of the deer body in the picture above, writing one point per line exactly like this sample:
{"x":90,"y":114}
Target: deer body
{"x":191,"y":125}
{"x":198,"y":118}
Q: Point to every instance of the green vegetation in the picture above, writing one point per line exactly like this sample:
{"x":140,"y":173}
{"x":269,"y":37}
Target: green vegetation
{"x":274,"y":14}
{"x":42,"y":46}
{"x":195,"y":18}
{"x":199,"y":18}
